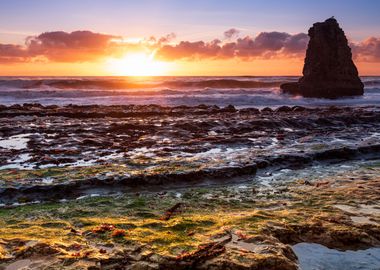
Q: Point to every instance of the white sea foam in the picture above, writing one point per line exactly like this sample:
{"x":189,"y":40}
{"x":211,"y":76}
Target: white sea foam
{"x":170,"y":91}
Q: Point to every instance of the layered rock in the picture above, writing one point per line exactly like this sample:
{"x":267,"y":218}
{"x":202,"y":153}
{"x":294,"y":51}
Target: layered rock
{"x":329,"y":71}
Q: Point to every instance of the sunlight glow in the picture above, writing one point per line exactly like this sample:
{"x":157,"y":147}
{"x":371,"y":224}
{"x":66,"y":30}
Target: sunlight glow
{"x":137,"y":64}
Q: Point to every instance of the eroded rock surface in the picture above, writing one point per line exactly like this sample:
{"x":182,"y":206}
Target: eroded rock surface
{"x":329,"y":71}
{"x":232,"y":227}
{"x":63,"y":152}
{"x":302,"y":175}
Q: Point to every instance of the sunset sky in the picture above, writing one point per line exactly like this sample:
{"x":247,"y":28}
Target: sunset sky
{"x":167,"y":37}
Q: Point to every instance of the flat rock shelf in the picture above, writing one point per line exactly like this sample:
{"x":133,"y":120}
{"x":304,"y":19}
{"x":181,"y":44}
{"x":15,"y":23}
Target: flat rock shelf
{"x":152,"y":187}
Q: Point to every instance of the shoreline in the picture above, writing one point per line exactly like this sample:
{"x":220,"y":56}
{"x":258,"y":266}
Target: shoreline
{"x":221,"y":187}
{"x":131,"y":146}
{"x":248,"y":226}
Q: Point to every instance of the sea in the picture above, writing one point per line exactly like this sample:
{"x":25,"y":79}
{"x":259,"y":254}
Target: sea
{"x":244,"y":91}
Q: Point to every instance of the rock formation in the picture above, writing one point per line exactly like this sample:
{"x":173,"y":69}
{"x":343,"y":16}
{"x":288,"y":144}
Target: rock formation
{"x":329,"y":71}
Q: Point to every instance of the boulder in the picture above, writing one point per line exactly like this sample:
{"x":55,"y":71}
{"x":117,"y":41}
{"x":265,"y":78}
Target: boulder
{"x":329,"y":71}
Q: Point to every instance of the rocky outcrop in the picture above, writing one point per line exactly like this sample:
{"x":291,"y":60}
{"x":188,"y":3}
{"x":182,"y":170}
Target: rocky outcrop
{"x":329,"y":71}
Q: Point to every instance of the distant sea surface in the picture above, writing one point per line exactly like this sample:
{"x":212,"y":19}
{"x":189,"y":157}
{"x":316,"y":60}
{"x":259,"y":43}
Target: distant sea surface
{"x":248,"y":91}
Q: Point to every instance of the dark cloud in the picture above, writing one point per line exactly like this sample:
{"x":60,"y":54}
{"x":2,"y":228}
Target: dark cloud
{"x":271,"y":41}
{"x":231,"y":33}
{"x":296,"y":43}
{"x":168,"y":38}
{"x":190,"y":50}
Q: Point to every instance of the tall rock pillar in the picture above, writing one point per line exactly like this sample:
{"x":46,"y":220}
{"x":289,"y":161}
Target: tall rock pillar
{"x":329,"y":71}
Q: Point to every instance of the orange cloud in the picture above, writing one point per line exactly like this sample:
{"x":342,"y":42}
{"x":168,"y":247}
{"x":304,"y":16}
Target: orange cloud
{"x":264,"y":45}
{"x":367,"y":50}
{"x":59,"y":46}
{"x":12,"y":53}
{"x":70,"y":47}
{"x":87,"y":46}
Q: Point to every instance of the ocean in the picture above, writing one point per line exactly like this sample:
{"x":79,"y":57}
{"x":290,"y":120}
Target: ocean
{"x":245,"y":91}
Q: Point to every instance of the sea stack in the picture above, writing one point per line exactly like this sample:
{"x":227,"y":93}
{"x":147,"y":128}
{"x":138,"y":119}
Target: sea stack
{"x":329,"y":71}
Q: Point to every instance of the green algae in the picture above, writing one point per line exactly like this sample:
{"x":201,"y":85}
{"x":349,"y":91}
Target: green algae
{"x":200,"y":217}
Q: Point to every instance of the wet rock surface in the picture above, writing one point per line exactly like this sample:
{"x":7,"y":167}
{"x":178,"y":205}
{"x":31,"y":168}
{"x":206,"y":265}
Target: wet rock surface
{"x":329,"y":71}
{"x":67,"y":151}
{"x":248,"y":226}
{"x":150,"y":187}
{"x":314,"y":256}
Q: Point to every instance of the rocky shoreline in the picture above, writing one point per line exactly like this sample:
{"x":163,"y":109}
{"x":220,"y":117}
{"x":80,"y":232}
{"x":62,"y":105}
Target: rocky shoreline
{"x":70,"y":190}
{"x":68,"y":151}
{"x":151,"y":187}
{"x":237,"y":227}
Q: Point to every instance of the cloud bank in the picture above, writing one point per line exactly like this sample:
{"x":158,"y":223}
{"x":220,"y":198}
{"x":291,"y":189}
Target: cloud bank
{"x":264,"y":45}
{"x":367,"y":50}
{"x":59,"y":46}
{"x":87,"y":46}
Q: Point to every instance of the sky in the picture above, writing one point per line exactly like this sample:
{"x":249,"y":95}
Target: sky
{"x":109,"y":37}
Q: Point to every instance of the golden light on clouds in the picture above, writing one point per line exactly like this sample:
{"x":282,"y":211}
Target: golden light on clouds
{"x":88,"y":53}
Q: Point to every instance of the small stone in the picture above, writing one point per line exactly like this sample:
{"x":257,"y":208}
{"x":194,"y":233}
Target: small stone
{"x":307,"y":183}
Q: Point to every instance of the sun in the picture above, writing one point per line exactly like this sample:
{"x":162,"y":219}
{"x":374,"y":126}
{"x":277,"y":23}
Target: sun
{"x":137,"y":64}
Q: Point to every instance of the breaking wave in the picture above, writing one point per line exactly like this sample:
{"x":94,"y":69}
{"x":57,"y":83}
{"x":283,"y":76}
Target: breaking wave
{"x":171,"y":91}
{"x":121,"y":83}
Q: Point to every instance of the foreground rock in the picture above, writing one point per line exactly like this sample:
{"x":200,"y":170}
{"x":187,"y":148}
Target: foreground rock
{"x":329,"y":71}
{"x":136,"y":147}
{"x":227,"y":227}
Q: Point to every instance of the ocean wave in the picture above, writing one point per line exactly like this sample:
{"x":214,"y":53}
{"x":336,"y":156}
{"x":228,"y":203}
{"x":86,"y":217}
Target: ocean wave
{"x":172,"y":91}
{"x":373,"y":90}
{"x":239,"y":100}
{"x":120,"y":83}
{"x":222,"y":83}
{"x":22,"y":93}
